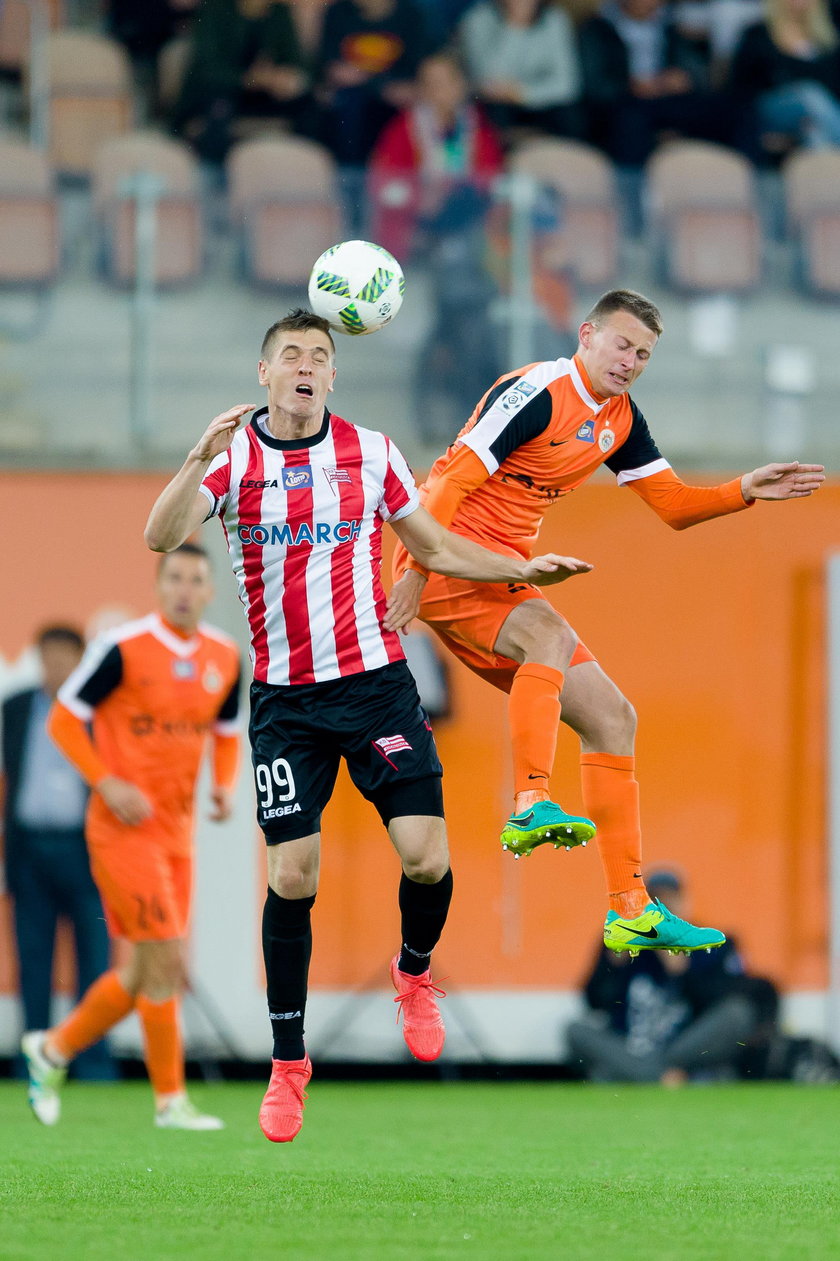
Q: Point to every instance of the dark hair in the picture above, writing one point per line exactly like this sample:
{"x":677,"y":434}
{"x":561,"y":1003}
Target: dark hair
{"x":298,"y":321}
{"x":626,"y":300}
{"x":60,"y":633}
{"x":185,"y":549}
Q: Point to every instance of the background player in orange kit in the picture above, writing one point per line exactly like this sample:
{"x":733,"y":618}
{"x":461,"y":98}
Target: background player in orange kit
{"x":536,"y":435}
{"x":154,"y":690}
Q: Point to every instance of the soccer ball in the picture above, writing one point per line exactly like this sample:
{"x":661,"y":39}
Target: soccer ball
{"x":357,"y":286}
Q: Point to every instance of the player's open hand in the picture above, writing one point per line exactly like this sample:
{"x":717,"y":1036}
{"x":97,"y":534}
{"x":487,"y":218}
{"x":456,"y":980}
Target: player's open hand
{"x":221,"y":805}
{"x":403,"y":603}
{"x":218,"y":435}
{"x":782,"y":481}
{"x":125,"y":800}
{"x":544,"y":571}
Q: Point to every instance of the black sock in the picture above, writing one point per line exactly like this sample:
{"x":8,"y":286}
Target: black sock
{"x":424,"y":909}
{"x":287,"y":946}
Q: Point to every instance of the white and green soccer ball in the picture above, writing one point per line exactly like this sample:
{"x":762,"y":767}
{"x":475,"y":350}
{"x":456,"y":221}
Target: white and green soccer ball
{"x":357,"y":286}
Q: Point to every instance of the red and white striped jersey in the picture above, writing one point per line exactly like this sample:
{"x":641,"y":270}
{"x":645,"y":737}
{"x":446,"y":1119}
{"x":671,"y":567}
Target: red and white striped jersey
{"x":303,"y":522}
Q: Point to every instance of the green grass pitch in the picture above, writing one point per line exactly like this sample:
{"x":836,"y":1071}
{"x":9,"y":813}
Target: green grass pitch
{"x":416,"y":1172}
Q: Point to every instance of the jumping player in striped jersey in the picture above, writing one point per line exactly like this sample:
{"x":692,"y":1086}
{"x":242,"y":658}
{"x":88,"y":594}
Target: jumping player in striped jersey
{"x":534,"y":437}
{"x":302,"y":496}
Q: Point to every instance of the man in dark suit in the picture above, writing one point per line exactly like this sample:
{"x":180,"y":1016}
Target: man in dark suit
{"x":47,"y":868}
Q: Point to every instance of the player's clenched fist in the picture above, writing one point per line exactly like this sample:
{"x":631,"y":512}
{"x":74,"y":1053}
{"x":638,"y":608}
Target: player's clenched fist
{"x":218,"y":435}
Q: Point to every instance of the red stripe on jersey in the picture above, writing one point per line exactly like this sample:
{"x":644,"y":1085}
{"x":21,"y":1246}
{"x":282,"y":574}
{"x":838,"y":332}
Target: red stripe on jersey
{"x":396,"y":496}
{"x":390,"y":639}
{"x":250,"y":513}
{"x":351,"y":495}
{"x":295,"y":602}
{"x":218,"y":482}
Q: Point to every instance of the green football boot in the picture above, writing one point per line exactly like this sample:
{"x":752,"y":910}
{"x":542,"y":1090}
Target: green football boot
{"x":657,"y":929}
{"x":545,"y":823}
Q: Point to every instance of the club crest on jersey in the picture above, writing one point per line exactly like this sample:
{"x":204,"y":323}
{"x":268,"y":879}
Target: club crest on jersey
{"x":211,"y":680}
{"x":297,"y":478}
{"x":586,"y":433}
{"x":183,"y":669}
{"x":606,"y":440}
{"x":334,"y":475}
{"x":519,"y":393}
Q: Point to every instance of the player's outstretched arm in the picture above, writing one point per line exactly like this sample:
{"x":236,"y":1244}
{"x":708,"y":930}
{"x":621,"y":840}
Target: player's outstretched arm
{"x":181,"y":507}
{"x":782,"y":481}
{"x":451,"y":554}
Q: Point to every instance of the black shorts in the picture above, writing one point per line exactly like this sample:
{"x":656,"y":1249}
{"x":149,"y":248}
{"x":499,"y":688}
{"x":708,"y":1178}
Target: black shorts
{"x":374,"y":720}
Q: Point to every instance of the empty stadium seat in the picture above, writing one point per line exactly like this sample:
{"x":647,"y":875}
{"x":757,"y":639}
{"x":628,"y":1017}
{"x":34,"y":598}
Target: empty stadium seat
{"x":90,"y":97}
{"x":283,"y":199}
{"x":703,"y":218}
{"x":588,"y":239}
{"x":29,"y":224}
{"x":179,"y":247}
{"x":811,"y":182}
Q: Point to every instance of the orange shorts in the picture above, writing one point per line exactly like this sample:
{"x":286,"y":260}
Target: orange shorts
{"x":468,"y":616}
{"x":146,"y":889}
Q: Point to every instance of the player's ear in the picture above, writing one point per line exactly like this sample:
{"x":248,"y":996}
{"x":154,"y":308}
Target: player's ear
{"x":585,"y":333}
{"x":262,"y":372}
{"x":331,"y":385}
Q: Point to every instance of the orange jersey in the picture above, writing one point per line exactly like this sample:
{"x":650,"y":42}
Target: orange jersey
{"x":537,"y":435}
{"x":153,"y":698}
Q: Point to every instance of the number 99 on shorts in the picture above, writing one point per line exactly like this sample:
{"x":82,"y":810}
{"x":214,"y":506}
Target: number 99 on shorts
{"x":275,"y":788}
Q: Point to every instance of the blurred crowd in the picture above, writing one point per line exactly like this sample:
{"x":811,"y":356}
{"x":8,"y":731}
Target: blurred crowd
{"x":762,"y":76}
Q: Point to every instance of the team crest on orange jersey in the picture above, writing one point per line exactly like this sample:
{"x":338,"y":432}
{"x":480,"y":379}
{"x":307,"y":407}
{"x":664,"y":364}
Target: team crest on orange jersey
{"x":606,"y":440}
{"x":211,"y":680}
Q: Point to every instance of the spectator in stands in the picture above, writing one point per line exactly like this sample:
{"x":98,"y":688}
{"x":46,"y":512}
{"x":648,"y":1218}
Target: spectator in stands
{"x":442,"y":17}
{"x":144,"y":27}
{"x":429,"y":180}
{"x":245,"y":62}
{"x":46,"y":859}
{"x":669,"y":1018}
{"x":369,"y":54}
{"x":522,"y":59}
{"x":643,"y":76}
{"x":427,"y":153}
{"x":788,"y":69}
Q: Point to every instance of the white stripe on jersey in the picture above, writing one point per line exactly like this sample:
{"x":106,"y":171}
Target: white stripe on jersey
{"x":485,"y":431}
{"x":644,"y":470}
{"x":303,"y":525}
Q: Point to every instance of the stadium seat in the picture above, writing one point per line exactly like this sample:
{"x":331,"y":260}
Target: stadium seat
{"x":171,"y":68}
{"x":588,"y":239}
{"x":15,"y":28}
{"x":29,"y":227}
{"x":811,"y":183}
{"x":283,"y":199}
{"x":703,"y":218}
{"x":91,"y":97}
{"x":179,"y":252}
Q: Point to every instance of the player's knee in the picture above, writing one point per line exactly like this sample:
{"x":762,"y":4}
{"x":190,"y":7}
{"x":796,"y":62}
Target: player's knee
{"x":428,"y":865}
{"x":161,"y":971}
{"x":425,"y":871}
{"x":293,"y":883}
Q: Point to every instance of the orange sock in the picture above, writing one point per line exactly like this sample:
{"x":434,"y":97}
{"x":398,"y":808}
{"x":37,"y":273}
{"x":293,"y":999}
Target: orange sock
{"x":611,"y":799}
{"x":104,"y":1005}
{"x":534,"y":712}
{"x":164,"y":1049}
